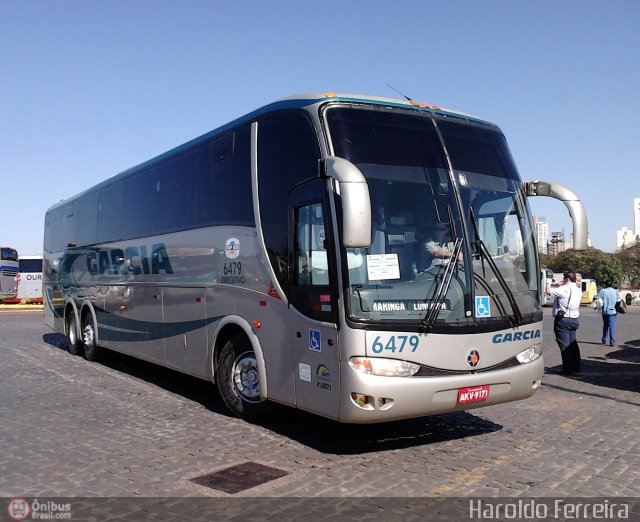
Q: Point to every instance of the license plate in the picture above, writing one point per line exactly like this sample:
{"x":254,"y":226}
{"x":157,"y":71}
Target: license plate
{"x":473,"y":394}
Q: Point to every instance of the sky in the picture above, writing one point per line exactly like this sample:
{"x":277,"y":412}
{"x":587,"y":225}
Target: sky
{"x":89,"y":88}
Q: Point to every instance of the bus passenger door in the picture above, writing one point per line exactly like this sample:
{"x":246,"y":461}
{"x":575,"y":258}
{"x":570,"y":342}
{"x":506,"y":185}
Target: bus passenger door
{"x":313,"y":302}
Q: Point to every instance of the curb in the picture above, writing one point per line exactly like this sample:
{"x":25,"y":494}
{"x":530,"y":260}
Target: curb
{"x":21,"y":308}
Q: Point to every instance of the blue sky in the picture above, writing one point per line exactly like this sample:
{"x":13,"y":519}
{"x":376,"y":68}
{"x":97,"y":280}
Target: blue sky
{"x":89,"y":88}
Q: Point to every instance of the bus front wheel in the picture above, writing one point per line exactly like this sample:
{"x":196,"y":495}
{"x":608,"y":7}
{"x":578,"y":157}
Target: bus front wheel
{"x":238,"y":379}
{"x":91,"y":349}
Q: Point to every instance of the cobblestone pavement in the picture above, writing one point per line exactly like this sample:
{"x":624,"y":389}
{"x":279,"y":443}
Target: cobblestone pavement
{"x":123,"y":427}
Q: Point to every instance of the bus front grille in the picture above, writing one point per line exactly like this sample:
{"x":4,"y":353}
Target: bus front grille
{"x":428,"y":371}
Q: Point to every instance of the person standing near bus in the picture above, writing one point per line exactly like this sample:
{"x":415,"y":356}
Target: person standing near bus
{"x":609,"y":296}
{"x":566,"y":310}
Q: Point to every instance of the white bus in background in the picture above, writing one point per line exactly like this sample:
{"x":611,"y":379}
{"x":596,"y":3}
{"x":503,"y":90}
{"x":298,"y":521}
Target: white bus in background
{"x":546,"y":279}
{"x":283,"y":257}
{"x":30,"y":279}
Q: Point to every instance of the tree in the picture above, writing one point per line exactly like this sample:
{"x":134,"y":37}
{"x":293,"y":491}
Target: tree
{"x":546,"y":260}
{"x":630,"y":260}
{"x":581,"y":261}
{"x":591,"y":264}
{"x":609,"y":269}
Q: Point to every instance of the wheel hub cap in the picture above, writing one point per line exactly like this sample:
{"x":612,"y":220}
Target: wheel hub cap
{"x":245,"y":377}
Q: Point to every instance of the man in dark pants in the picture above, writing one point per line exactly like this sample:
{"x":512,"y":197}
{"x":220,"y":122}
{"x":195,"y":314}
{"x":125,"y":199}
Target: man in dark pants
{"x":566,"y":310}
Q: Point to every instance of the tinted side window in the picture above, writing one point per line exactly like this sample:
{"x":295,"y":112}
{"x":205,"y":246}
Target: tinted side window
{"x":30,"y":265}
{"x":237,"y":201}
{"x":310,"y":289}
{"x":69,"y":226}
{"x":223,"y":193}
{"x":87,"y":208}
{"x":175,"y":194}
{"x":53,"y":230}
{"x":288,"y":153}
{"x":110,"y":205}
{"x":207,"y":185}
{"x":139,"y":200}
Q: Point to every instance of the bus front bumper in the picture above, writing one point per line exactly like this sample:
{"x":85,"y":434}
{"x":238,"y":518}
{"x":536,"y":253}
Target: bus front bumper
{"x":370,"y":399}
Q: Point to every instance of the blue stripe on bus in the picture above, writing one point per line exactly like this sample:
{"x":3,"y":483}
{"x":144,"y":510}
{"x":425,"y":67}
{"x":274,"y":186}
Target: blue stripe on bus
{"x":139,"y":331}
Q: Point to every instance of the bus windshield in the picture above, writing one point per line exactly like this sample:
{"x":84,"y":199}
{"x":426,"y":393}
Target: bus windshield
{"x":435,"y":183}
{"x":9,"y":254}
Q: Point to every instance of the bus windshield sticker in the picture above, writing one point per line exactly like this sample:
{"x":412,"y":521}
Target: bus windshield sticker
{"x":304,"y":370}
{"x":314,"y":340}
{"x":383,"y":266}
{"x":232,"y":248}
{"x":483,"y":307}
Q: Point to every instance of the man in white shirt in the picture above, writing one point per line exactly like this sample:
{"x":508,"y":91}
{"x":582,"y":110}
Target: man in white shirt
{"x":566,"y":310}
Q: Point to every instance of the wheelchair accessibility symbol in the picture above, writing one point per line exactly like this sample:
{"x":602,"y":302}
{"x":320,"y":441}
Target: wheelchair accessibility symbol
{"x":314,"y":340}
{"x":483,"y":308}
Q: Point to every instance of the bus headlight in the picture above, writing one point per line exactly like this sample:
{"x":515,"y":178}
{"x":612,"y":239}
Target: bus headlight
{"x":385,"y":367}
{"x":530,"y":354}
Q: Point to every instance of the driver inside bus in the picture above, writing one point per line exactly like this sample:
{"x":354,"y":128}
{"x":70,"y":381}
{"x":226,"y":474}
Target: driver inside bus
{"x":438,"y":246}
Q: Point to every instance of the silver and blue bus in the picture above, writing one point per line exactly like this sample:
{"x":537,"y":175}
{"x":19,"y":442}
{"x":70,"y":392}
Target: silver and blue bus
{"x":8,"y":273}
{"x":284,"y":257}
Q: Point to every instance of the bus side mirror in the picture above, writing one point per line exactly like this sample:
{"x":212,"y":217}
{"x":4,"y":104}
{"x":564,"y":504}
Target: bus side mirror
{"x":570,"y":200}
{"x":356,"y":205}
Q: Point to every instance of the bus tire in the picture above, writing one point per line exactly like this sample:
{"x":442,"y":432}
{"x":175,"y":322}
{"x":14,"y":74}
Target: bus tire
{"x":89,"y":345}
{"x":238,"y":379}
{"x":73,"y":341}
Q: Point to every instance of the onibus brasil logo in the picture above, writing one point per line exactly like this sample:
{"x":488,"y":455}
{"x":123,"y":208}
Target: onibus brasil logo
{"x":21,"y":509}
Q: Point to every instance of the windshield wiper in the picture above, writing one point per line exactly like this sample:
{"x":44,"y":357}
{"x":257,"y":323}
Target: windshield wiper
{"x":483,"y":253}
{"x":426,"y":323}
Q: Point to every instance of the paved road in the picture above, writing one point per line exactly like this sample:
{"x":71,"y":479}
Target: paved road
{"x":127,"y":428}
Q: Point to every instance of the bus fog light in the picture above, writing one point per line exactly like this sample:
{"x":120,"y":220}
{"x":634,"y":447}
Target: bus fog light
{"x":384,"y":403}
{"x":530,"y":354}
{"x":362,"y":401}
{"x":385,"y":367}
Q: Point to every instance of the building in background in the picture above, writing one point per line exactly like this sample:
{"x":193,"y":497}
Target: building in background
{"x":556,"y":244}
{"x":625,"y":238}
{"x":541,"y":231}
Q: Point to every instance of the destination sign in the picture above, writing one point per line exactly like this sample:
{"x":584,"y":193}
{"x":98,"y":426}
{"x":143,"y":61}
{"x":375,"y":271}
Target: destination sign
{"x":407,"y":306}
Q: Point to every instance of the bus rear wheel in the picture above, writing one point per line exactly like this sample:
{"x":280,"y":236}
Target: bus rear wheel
{"x":238,"y":379}
{"x":74,"y":343}
{"x":91,"y":349}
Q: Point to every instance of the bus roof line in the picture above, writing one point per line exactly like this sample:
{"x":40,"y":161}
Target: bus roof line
{"x":298,"y":101}
{"x":381,"y":100}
